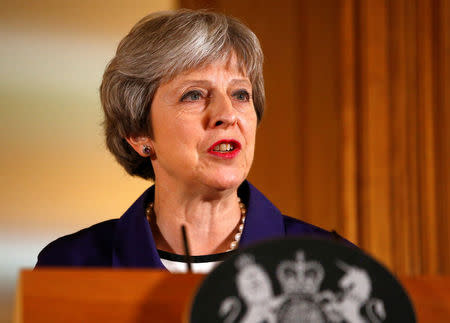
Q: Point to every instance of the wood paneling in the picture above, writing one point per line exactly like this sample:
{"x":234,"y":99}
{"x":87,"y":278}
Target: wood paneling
{"x":430,"y":297}
{"x":443,"y":134}
{"x":398,"y":68}
{"x":356,"y":134}
{"x":348,"y":144}
{"x":374,"y":145}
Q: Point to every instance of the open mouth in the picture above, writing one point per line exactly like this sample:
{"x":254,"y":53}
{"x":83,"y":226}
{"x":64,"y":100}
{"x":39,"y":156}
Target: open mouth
{"x":225,"y":147}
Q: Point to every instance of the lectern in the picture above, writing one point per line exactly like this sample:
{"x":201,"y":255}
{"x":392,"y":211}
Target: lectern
{"x":113,"y":295}
{"x":104,"y":295}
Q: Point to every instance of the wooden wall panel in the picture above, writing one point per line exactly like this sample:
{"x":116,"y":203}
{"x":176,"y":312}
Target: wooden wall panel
{"x":321,"y":133}
{"x":356,"y":135}
{"x":426,"y":107}
{"x":348,"y":145}
{"x":399,"y":58}
{"x":398,"y":94}
{"x":404,"y":178}
{"x":373,"y":131}
{"x":412,"y":218}
{"x":443,"y":134}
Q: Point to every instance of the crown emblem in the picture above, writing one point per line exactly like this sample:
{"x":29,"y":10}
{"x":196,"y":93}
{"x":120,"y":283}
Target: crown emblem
{"x":301,"y":297}
{"x":299,"y":275}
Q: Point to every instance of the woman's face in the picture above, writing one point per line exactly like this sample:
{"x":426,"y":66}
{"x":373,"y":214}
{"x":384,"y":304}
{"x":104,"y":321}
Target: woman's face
{"x":204,"y":127}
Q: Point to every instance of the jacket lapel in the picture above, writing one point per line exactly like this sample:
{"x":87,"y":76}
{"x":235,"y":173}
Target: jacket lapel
{"x":263,"y":221}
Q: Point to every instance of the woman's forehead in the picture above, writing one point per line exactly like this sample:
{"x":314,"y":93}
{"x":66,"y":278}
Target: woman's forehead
{"x":229,"y":63}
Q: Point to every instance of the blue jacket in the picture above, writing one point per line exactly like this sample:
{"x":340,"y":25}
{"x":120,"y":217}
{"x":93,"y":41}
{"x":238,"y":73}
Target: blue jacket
{"x":128,"y":241}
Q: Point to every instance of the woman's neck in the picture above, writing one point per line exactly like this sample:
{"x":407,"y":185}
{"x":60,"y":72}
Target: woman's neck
{"x":210,"y":219}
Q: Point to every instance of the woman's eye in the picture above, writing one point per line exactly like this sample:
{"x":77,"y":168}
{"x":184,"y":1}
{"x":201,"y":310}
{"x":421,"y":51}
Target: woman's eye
{"x":241,"y":95}
{"x":192,"y":96}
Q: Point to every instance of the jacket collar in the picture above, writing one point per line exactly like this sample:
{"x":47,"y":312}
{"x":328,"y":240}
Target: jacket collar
{"x":134,"y":245}
{"x":263,"y":221}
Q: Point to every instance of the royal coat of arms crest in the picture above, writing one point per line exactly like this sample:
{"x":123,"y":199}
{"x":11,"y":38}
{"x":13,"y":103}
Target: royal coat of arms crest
{"x":301,"y":280}
{"x":301,"y":299}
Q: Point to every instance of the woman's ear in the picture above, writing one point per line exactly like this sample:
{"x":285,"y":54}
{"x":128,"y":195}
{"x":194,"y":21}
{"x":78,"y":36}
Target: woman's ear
{"x":142,"y":145}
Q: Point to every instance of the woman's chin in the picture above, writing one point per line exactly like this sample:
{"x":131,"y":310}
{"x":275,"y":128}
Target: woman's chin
{"x":225,"y":181}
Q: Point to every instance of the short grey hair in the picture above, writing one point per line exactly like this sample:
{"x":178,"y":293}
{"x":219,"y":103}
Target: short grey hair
{"x":158,"y":48}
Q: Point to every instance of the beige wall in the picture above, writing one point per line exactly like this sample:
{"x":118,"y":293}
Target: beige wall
{"x":55,"y":175}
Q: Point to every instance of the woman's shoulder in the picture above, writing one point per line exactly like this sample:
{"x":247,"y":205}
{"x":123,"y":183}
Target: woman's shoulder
{"x":88,"y":247}
{"x":296,"y":227}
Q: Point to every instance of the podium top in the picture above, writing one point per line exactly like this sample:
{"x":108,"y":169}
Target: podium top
{"x":97,"y":295}
{"x":102,"y":295}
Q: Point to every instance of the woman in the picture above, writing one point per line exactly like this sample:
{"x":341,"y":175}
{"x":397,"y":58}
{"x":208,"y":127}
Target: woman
{"x":182,"y":100}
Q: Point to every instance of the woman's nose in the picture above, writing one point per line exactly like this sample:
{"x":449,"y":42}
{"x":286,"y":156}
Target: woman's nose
{"x":222,"y":112}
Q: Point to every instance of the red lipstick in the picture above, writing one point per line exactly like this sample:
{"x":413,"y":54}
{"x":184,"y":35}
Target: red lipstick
{"x":220,"y":150}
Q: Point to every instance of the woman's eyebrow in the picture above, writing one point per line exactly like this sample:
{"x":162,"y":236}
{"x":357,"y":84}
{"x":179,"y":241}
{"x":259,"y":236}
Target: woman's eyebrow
{"x":197,"y":82}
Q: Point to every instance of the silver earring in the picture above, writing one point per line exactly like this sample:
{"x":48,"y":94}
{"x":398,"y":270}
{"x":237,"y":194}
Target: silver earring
{"x":146,"y":150}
